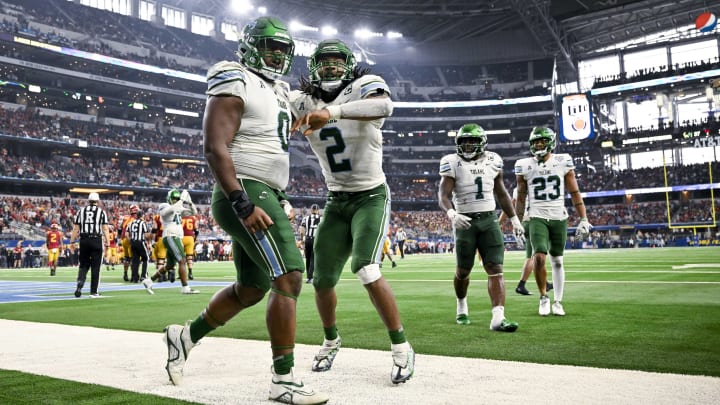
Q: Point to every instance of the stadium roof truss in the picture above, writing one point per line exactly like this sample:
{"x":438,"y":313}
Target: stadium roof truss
{"x":567,"y":30}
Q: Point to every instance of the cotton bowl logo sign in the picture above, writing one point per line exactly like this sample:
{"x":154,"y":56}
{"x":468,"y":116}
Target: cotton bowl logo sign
{"x":576,"y":118}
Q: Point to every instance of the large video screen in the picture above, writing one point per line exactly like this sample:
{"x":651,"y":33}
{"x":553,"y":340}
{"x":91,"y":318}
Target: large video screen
{"x":576,"y":121}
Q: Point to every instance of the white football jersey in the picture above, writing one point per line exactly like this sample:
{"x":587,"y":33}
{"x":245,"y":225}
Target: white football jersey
{"x":546,"y":185}
{"x":259,"y":149}
{"x":349,"y":151}
{"x":171,"y":217}
{"x":474,"y":180}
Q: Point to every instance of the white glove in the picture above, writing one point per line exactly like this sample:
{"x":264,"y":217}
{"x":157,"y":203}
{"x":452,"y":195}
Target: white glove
{"x":288,"y":208}
{"x":583,"y":227}
{"x":459,"y":221}
{"x":185,"y":197}
{"x":519,"y":231}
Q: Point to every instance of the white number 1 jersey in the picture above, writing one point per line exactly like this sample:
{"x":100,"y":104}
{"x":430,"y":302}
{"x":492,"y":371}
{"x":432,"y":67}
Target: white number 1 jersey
{"x":546,"y":185}
{"x":349,"y":151}
{"x":259,"y":149}
{"x":474,"y":180}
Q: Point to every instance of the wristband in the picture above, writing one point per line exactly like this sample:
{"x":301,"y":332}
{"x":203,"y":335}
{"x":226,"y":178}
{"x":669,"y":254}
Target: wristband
{"x":241,"y":203}
{"x":335,"y":112}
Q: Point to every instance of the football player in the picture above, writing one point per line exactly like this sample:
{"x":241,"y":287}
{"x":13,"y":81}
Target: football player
{"x":125,"y":241}
{"x":528,"y":265}
{"x":54,"y":243}
{"x":471,"y":179}
{"x":340,"y":109}
{"x":189,"y":226}
{"x":246,"y":127}
{"x":158,"y":249}
{"x":545,"y":177}
{"x":111,"y":257}
{"x":171,"y":212}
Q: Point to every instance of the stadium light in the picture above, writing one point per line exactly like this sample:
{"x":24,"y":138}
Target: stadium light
{"x":241,"y":6}
{"x":262,"y":10}
{"x":328,"y":31}
{"x":393,"y":35}
{"x":298,"y":26}
{"x":364,"y":33}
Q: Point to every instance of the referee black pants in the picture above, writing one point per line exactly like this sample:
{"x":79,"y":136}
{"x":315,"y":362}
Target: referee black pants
{"x":91,"y":254}
{"x":139,"y":255}
{"x":309,"y":257}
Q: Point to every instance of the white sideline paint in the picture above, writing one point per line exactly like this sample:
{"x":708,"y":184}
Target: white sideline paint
{"x":233,"y":371}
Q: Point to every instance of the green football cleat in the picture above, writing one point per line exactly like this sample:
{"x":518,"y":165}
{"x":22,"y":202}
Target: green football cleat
{"x":505,"y":326}
{"x":462,"y":319}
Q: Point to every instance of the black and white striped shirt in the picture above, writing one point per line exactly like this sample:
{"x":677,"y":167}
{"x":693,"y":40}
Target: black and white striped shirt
{"x":310,"y":223}
{"x":137,"y":229}
{"x":91,"y":219}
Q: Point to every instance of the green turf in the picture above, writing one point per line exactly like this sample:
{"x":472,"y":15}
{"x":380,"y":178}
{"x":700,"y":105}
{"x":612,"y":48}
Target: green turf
{"x":23,"y":388}
{"x":626,"y":309}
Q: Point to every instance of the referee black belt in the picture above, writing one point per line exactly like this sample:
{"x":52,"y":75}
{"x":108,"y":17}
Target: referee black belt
{"x":478,"y":215}
{"x":90,"y":236}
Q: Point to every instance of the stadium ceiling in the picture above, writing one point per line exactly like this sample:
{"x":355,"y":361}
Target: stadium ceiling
{"x":565,"y":29}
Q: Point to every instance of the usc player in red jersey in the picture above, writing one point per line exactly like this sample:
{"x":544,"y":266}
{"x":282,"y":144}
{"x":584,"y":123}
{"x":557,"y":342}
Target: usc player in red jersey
{"x":111,"y":253}
{"x":189,"y":226}
{"x":125,"y":241}
{"x":159,"y":250}
{"x":54,"y":242}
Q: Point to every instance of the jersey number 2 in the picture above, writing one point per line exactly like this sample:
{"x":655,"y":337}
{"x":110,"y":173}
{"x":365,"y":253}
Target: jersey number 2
{"x":332,"y":150}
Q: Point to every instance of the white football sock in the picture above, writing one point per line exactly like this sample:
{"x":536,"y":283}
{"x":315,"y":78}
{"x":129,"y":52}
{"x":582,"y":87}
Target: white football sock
{"x":558,"y":272}
{"x":462,"y":307}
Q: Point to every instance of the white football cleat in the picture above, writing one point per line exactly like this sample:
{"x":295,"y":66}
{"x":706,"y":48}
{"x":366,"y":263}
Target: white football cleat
{"x":324,"y":359}
{"x":187,"y":290}
{"x":148,"y":284}
{"x":403,"y":363}
{"x":544,"y":309}
{"x":557,"y":309}
{"x":287,"y":389}
{"x":177,"y":339}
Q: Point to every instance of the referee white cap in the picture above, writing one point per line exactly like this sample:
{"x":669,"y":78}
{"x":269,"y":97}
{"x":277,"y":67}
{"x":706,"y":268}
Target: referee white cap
{"x":94,"y":197}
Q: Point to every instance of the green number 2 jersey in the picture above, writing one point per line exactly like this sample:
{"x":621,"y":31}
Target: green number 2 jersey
{"x":259,"y":149}
{"x":546,"y":185}
{"x":349,"y":151}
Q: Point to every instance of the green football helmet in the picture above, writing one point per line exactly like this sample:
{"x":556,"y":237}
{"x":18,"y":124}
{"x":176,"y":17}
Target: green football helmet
{"x":173,"y":194}
{"x":260,"y":39}
{"x":321,"y":72}
{"x":470,"y":141}
{"x":542,"y":133}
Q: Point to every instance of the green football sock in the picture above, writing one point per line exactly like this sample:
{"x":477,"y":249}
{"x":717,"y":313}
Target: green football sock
{"x":397,"y":336}
{"x":331,"y":333}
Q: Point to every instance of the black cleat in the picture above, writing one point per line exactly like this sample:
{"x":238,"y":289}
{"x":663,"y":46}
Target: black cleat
{"x":190,"y":276}
{"x":522,"y":290}
{"x":78,"y":292}
{"x":549,"y":286}
{"x":125,"y":277}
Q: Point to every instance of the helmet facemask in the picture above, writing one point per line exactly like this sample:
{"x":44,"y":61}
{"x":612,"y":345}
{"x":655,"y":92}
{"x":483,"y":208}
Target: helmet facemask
{"x":267,"y":48}
{"x":470,"y":141}
{"x":538,"y":148}
{"x":331,"y":65}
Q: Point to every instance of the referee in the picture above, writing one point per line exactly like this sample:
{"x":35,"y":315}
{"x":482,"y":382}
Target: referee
{"x":138,"y":232}
{"x":308,"y":227}
{"x":91,"y":223}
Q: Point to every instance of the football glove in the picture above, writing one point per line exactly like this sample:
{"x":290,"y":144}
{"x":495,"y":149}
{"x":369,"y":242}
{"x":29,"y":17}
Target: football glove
{"x":185,"y":197}
{"x":583,"y":227}
{"x":519,"y":231}
{"x":459,"y":221}
{"x":288,"y":208}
